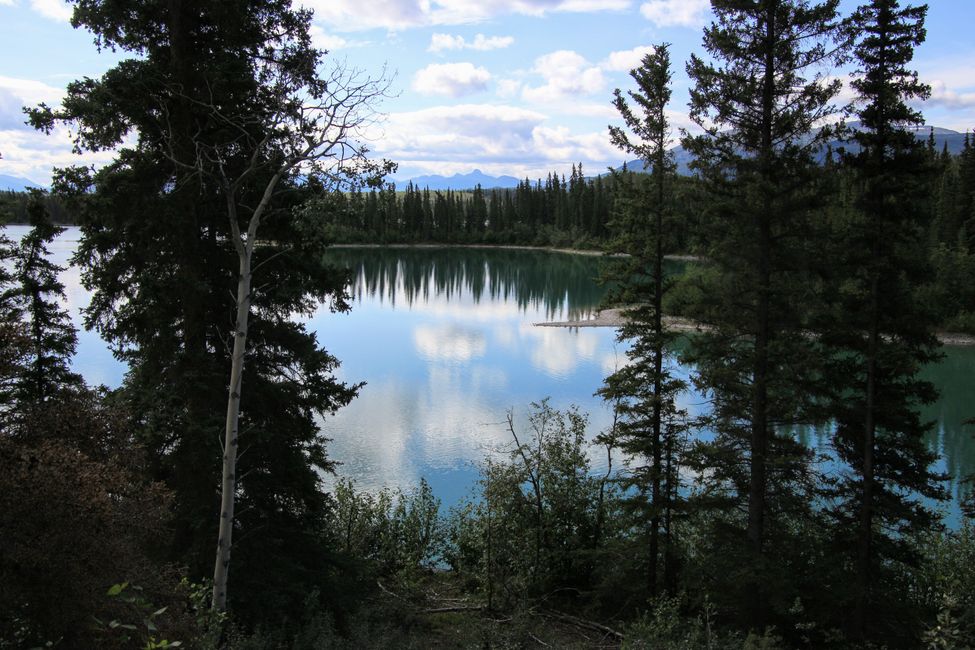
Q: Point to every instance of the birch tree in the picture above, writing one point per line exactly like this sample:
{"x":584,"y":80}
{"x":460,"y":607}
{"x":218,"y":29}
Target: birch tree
{"x":313,"y":128}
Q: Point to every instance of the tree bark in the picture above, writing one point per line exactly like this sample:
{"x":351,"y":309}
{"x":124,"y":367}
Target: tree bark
{"x":228,"y":482}
{"x":865,"y":536}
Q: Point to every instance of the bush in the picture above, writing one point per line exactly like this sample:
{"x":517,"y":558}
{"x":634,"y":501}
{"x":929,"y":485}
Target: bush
{"x":398,"y":531}
{"x":540,"y":516}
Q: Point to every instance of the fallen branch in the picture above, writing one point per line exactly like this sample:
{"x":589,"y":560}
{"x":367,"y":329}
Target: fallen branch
{"x":583,"y":623}
{"x":456,"y":608}
{"x":390,"y":593}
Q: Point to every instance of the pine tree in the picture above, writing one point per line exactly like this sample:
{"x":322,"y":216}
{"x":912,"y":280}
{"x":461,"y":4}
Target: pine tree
{"x":158,"y":251}
{"x":758,"y":103}
{"x":965,"y":208}
{"x":13,"y":338}
{"x":644,"y":390}
{"x":880,"y":334}
{"x":52,"y":337}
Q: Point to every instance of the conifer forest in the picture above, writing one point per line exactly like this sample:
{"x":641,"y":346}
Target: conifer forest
{"x":827,"y":251}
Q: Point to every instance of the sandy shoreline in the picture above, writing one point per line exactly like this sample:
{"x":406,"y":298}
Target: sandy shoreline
{"x":614,"y":318}
{"x":513,"y":247}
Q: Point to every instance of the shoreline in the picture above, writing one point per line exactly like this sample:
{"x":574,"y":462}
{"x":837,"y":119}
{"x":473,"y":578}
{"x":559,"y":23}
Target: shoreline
{"x":614,"y":318}
{"x":512,"y":247}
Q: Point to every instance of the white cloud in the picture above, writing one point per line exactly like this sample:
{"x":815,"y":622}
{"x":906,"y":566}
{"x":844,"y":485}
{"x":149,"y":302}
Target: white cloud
{"x":331,"y":42}
{"x":497,"y":139}
{"x":451,"y":79}
{"x":11,"y":114}
{"x":626,"y":60}
{"x":353,"y":15}
{"x":440,"y":42}
{"x":53,"y":9}
{"x":30,"y":91}
{"x":566,"y":74}
{"x":942,"y":95}
{"x":8,"y":3}
{"x":328,"y":42}
{"x":29,"y":153}
{"x":954,"y":70}
{"x":675,"y":13}
{"x":18,"y":142}
{"x":509,"y":87}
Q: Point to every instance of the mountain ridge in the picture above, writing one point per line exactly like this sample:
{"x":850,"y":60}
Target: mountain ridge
{"x":17,"y":184}
{"x":458,"y":182}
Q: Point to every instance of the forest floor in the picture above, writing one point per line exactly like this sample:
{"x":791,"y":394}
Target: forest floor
{"x":438,"y":613}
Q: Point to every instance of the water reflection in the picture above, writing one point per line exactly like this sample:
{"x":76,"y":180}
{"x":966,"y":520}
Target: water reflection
{"x":551,"y":285}
{"x":445,"y":341}
{"x":950,"y":436}
{"x":449,"y":342}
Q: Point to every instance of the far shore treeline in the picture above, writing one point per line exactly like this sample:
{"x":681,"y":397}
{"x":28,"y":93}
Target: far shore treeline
{"x":575,"y":212}
{"x":188,"y":508}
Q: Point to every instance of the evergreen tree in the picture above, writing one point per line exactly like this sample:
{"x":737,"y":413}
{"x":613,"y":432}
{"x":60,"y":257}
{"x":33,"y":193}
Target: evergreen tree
{"x":52,"y":337}
{"x":158,"y":251}
{"x":13,"y":339}
{"x":880,"y":334}
{"x":965,"y":207}
{"x":644,"y":390}
{"x":758,"y":103}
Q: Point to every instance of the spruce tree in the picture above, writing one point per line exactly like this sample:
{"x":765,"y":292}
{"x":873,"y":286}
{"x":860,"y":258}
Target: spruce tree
{"x":644,"y":391}
{"x":881,"y":335}
{"x":13,"y":339}
{"x":158,"y":251}
{"x":758,"y":100}
{"x":40,"y":294}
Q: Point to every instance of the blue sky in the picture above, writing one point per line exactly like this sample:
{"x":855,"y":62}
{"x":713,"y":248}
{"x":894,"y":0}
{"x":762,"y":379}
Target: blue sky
{"x":519,"y":87}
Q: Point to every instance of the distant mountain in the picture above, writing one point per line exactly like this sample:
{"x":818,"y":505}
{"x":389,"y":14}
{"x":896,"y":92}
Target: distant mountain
{"x":17,"y":184}
{"x":460,"y":181}
{"x":942,"y":136}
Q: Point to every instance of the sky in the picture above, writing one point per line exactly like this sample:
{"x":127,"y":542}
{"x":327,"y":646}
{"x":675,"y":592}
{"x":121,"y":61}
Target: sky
{"x":517,"y":87}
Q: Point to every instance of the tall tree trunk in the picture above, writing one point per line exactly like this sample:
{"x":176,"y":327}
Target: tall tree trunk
{"x":658,"y":361}
{"x":228,"y":482}
{"x":670,"y":562}
{"x":865,"y":531}
{"x":760,"y":431}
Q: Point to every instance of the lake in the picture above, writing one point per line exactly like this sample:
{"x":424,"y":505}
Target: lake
{"x":446,"y":343}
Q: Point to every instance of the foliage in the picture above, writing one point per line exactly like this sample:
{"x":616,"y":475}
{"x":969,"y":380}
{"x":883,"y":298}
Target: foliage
{"x":99,"y":522}
{"x":664,"y":627}
{"x":37,"y":298}
{"x":944,"y":584}
{"x":877,"y":334}
{"x":540,"y":517}
{"x":651,"y":430}
{"x":401,"y":532}
{"x":157,"y":251}
{"x":13,"y":335}
{"x":131,"y":595}
{"x":758,"y":97}
{"x":14,"y":207}
{"x":555,"y":211}
{"x":868,"y":253}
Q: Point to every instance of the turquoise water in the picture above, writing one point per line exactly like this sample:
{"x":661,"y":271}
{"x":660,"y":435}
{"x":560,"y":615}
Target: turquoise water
{"x":446,"y":343}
